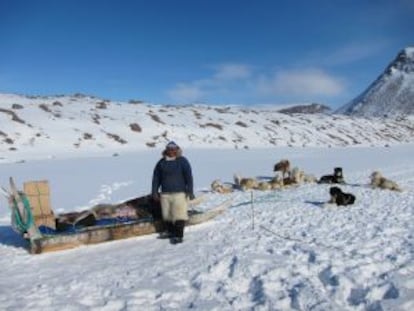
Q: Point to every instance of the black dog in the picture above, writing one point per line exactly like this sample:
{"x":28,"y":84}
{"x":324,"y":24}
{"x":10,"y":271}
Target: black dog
{"x":336,"y":178}
{"x":340,"y":198}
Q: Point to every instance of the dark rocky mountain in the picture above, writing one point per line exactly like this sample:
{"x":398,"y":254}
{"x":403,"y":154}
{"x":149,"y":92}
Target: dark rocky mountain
{"x":306,"y":109}
{"x":391,"y":94}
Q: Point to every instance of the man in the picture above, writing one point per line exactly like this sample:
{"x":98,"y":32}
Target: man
{"x":173,"y":175}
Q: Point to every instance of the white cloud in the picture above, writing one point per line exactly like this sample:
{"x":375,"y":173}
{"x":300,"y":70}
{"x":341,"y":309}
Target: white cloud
{"x":308,"y":82}
{"x":186,"y":92}
{"x":353,"y":52}
{"x":232,"y":72}
{"x":223,"y":79}
{"x":238,"y":82}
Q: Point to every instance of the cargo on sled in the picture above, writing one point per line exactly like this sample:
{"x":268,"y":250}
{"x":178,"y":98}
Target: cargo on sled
{"x":34,"y":219}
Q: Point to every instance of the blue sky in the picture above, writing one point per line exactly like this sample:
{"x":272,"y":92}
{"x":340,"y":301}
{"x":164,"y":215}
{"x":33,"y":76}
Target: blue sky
{"x":204,"y":51}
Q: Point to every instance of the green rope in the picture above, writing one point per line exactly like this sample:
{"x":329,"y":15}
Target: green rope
{"x":21,"y":225}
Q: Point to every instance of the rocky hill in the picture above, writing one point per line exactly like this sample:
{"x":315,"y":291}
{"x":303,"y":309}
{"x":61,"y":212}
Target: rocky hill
{"x":311,"y":109}
{"x":391,"y":94}
{"x":62,"y":125}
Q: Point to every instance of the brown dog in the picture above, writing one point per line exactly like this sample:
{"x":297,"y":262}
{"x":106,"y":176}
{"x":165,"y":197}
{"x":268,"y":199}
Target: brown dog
{"x":282,"y":166}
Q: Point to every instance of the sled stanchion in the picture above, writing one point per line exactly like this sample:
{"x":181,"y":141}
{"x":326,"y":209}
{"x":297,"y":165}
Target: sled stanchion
{"x":252,"y":205}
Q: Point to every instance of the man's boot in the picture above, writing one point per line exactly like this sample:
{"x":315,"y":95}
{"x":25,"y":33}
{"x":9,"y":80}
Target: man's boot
{"x":178,"y":232}
{"x":168,"y":231}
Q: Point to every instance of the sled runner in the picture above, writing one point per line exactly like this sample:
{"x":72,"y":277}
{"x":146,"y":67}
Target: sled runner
{"x":101,"y":223}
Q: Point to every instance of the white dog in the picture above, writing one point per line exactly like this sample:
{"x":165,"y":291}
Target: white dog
{"x":218,"y":187}
{"x":378,"y":181}
{"x":245,"y":183}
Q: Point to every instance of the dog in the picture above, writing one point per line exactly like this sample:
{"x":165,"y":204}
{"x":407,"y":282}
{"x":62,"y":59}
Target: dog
{"x":340,"y":198}
{"x":245,"y":183}
{"x":282,"y":166}
{"x":263,"y":185}
{"x":297,"y":176}
{"x":378,"y":181}
{"x":276,"y":182}
{"x":336,"y":178}
{"x":308,"y":178}
{"x":217,"y":186}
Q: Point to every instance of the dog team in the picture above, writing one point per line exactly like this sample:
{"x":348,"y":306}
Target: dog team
{"x":294,"y":176}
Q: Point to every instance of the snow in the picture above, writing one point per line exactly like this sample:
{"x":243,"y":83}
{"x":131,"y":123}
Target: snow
{"x":409,"y":51}
{"x":74,"y":126}
{"x":294,"y":254}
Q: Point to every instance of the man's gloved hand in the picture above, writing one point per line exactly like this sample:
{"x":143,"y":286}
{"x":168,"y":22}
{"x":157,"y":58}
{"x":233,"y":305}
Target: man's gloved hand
{"x":190,"y":196}
{"x":156,"y":197}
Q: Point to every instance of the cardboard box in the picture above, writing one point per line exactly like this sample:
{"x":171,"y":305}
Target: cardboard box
{"x":36,"y":187}
{"x":40,"y":204}
{"x":46,"y":220}
{"x":38,"y":194}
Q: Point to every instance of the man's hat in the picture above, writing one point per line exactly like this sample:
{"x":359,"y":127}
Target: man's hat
{"x":171,"y":145}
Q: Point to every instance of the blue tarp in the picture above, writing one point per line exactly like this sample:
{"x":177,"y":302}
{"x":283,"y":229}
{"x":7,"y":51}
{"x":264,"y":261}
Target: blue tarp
{"x":101,"y":222}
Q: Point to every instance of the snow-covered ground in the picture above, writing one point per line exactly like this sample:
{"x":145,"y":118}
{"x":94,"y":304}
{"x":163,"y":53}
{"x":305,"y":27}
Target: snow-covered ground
{"x":293,"y":254}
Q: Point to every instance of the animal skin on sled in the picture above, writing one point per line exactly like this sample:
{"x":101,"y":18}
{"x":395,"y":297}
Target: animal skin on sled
{"x":137,"y":227}
{"x":142,"y":215}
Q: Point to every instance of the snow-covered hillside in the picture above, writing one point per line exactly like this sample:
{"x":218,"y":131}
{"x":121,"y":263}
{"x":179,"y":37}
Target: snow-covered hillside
{"x":65,"y":125}
{"x":392,"y":94}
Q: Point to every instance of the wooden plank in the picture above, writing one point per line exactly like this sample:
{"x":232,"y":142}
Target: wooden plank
{"x":95,"y":236}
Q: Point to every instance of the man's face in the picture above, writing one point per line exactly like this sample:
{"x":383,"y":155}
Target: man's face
{"x":172,"y":152}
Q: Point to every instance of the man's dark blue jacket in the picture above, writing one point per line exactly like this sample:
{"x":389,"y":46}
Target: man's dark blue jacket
{"x":173,"y":176}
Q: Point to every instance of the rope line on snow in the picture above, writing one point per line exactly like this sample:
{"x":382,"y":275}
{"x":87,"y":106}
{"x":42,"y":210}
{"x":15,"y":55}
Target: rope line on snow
{"x":302,"y":241}
{"x":351,"y":256}
{"x":272,"y":196}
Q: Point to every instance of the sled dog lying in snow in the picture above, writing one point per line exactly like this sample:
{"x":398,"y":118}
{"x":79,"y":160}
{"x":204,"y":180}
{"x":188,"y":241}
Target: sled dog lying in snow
{"x":340,"y":198}
{"x":252,"y":183}
{"x":245,"y":183}
{"x":276,"y":182}
{"x":298,"y":176}
{"x":378,"y":181}
{"x":336,"y":178}
{"x":217,"y":186}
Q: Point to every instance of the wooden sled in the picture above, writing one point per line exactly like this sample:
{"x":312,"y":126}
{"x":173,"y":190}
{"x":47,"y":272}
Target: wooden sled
{"x":145,"y":219}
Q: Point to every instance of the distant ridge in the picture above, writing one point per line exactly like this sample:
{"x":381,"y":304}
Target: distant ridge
{"x":391,"y":94}
{"x":49,"y":126}
{"x":310,"y":109}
